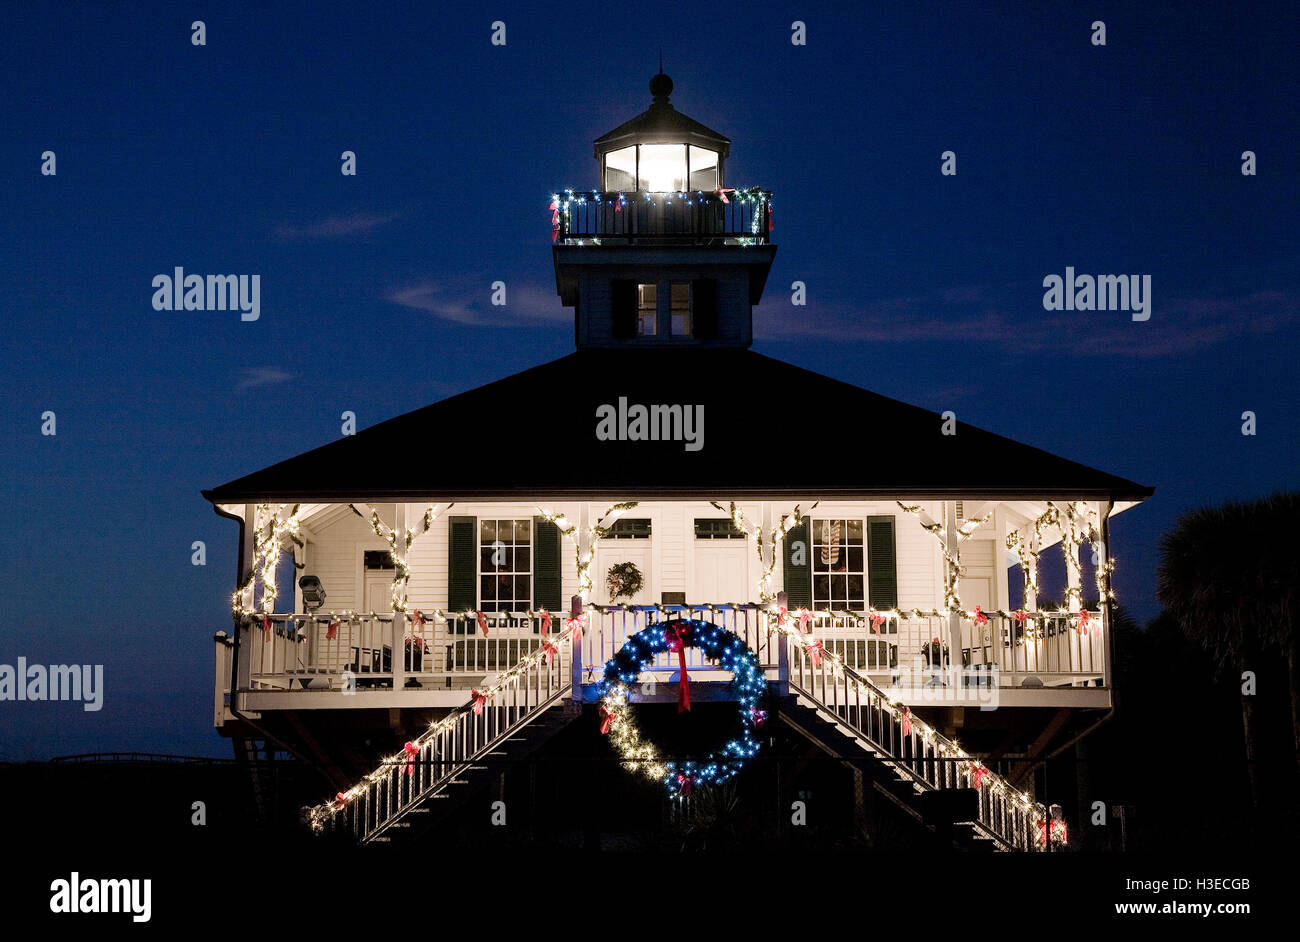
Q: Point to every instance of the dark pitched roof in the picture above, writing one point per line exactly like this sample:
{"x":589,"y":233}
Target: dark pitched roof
{"x":663,"y":120}
{"x":770,"y":429}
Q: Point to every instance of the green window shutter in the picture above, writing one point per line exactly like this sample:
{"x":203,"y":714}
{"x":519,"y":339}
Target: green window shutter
{"x":546,"y":565}
{"x":798,"y":578}
{"x":704,"y":308}
{"x":623,"y":311}
{"x":462,"y":563}
{"x":882,"y":563}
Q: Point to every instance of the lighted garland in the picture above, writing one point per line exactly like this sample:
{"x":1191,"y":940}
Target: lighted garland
{"x":619,"y":723}
{"x":562,"y":205}
{"x":320,"y":815}
{"x":977,"y":775}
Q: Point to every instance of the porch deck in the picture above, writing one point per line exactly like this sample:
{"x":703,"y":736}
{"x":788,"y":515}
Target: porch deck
{"x":330,"y":661}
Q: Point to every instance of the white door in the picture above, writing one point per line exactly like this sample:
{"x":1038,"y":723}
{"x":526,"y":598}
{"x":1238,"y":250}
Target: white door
{"x":612,"y":552}
{"x":719,"y":572}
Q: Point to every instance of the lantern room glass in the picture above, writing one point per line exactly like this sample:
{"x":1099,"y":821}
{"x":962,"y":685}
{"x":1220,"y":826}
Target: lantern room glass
{"x":620,"y":169}
{"x":704,"y":169}
{"x":662,"y":168}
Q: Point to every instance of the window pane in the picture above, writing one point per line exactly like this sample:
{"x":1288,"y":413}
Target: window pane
{"x":704,"y":169}
{"x":647,"y":310}
{"x":487,"y":531}
{"x":620,"y":169}
{"x":680,"y":299}
{"x":488,"y":585}
{"x":663,"y":168}
{"x":853,"y":531}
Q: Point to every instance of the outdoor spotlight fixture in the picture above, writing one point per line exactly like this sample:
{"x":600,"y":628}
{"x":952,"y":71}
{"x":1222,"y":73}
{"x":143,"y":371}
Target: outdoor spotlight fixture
{"x":313,"y":593}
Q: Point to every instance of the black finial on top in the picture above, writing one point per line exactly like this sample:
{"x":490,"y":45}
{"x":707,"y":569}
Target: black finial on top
{"x":661,"y":86}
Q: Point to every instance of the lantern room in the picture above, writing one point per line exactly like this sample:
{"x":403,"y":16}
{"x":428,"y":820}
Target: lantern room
{"x":661,"y":150}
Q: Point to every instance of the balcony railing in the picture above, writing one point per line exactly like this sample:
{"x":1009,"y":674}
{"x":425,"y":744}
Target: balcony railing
{"x":317,"y":651}
{"x":594,"y":217}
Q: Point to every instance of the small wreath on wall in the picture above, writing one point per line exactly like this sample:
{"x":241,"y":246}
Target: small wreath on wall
{"x":623,"y":581}
{"x":618,"y":720}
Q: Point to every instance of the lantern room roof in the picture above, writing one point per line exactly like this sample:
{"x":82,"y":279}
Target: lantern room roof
{"x":661,"y":123}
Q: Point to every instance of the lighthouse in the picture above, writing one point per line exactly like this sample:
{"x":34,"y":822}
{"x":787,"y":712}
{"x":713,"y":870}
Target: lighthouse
{"x":665,"y":253}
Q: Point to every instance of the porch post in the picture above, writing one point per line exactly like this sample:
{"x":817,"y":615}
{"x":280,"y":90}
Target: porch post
{"x":954,"y":617}
{"x":1103,"y":557}
{"x":399,"y":618}
{"x":243,"y":632}
{"x":575,"y":653}
{"x":782,"y":651}
{"x":1074,"y":642}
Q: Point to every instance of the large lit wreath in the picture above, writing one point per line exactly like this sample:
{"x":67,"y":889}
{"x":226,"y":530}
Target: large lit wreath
{"x":618,"y":721}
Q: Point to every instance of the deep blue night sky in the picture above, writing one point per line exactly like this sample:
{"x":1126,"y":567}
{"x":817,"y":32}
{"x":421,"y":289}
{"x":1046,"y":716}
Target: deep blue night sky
{"x":225,"y":158}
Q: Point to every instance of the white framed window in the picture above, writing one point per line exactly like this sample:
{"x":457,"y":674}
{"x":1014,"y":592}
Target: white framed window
{"x":839,"y":564}
{"x":679,"y":297}
{"x":647,"y":310}
{"x":505,"y":564}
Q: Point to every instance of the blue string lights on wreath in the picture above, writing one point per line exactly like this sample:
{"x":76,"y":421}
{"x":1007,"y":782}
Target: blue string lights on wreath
{"x":716,"y":644}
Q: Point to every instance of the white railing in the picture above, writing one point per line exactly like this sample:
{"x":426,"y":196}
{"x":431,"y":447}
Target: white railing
{"x":463,"y":739}
{"x":319,"y":652}
{"x":914,"y":750}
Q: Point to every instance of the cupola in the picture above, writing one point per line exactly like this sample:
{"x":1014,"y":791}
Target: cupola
{"x":661,"y":150}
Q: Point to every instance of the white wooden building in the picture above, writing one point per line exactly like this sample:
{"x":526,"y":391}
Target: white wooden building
{"x":886,"y":540}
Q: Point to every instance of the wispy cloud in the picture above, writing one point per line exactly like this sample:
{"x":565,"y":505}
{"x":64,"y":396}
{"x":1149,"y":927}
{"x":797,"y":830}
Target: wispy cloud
{"x":1011,"y":316}
{"x":335,"y":227}
{"x":526,"y":304}
{"x":255,"y":377}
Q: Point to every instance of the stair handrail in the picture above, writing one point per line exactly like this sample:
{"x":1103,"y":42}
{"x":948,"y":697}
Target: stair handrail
{"x":414,"y":753}
{"x":786,"y":622}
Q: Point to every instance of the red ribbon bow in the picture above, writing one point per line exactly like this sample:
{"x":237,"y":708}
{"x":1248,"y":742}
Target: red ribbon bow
{"x":1058,"y":832}
{"x":678,"y":635}
{"x":684,"y":783}
{"x":758,"y":716}
{"x":410,"y":750}
{"x":805,"y":620}
{"x":555,"y":220}
{"x":1084,"y":615}
{"x":907,"y":721}
{"x":340,"y":800}
{"x":782,"y":615}
{"x":980,"y":617}
{"x":815,"y":652}
{"x":546,"y":622}
{"x":417,"y":620}
{"x":266,"y":628}
{"x":770,"y":224}
{"x":332,"y":631}
{"x":480,"y":698}
{"x":722,"y":192}
{"x":574,"y":625}
{"x":618,"y":204}
{"x":1020,"y":615}
{"x":877,"y":620}
{"x":482,"y":623}
{"x":607,"y":719}
{"x":978,"y":774}
{"x":548,"y":648}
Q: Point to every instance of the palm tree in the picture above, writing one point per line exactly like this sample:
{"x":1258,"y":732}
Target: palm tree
{"x":1231,"y":578}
